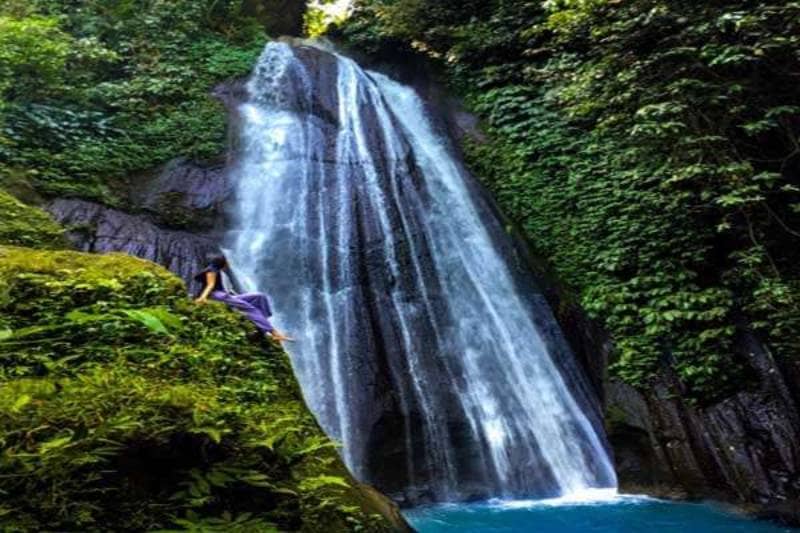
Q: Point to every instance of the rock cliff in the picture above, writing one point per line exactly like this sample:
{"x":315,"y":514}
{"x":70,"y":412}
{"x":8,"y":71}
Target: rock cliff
{"x":744,"y":449}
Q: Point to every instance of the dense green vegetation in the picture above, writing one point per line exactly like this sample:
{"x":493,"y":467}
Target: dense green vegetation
{"x":93,"y":91}
{"x":123,"y":406}
{"x":649,"y":150}
{"x":23,"y":225}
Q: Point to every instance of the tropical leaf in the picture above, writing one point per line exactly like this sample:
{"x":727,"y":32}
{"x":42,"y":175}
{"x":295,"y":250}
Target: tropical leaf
{"x":147,"y":319}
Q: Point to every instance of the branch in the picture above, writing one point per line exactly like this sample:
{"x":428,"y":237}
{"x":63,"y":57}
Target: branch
{"x":778,"y":219}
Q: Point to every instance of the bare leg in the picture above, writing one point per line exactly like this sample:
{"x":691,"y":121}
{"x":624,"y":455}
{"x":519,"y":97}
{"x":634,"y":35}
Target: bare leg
{"x":279,"y":336}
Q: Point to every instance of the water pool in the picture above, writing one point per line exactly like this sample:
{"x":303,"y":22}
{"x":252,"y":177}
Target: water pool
{"x":614,"y":514}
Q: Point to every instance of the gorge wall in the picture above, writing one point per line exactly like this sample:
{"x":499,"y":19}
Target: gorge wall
{"x":177,"y":215}
{"x":743,"y":448}
{"x":741,"y":445}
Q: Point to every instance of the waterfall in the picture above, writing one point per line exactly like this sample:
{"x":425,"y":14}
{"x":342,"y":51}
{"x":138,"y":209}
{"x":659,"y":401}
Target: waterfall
{"x":422,"y":345}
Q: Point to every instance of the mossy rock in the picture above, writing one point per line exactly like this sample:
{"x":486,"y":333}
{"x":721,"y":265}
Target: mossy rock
{"x":40,"y":285}
{"x":124,"y":406}
{"x":25,"y":225}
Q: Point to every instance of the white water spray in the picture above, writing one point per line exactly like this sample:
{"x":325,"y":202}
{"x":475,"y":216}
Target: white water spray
{"x":355,"y":216}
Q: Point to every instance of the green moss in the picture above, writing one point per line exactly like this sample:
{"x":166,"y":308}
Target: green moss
{"x":24,"y":225}
{"x":615,"y":417}
{"x":123,"y":406}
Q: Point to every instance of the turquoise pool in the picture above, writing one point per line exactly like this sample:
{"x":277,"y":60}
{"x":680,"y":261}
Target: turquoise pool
{"x":611,"y":514}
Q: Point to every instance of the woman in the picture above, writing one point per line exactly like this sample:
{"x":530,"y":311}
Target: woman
{"x":253,"y":305}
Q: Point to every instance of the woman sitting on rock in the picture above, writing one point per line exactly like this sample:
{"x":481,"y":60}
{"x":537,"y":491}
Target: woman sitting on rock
{"x":254,"y":305}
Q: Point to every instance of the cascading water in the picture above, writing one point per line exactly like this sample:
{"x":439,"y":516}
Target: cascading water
{"x":421,"y":346}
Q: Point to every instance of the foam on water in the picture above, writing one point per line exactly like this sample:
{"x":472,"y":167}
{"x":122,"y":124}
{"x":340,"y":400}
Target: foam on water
{"x":586,"y":513}
{"x":581,"y":497}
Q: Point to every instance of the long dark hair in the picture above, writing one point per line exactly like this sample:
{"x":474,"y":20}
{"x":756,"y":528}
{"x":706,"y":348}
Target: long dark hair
{"x":218,"y":261}
{"x":215,"y":261}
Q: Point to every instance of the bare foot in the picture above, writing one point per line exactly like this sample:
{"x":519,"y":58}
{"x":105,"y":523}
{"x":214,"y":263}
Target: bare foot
{"x":280,"y":337}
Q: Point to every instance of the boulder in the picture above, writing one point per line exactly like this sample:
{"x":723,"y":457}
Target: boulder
{"x":125,"y":407}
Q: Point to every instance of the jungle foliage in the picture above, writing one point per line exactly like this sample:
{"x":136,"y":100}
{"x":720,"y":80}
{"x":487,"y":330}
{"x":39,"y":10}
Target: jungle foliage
{"x":648,"y":149}
{"x":125,"y":407}
{"x":24,"y":225}
{"x":92,"y":91}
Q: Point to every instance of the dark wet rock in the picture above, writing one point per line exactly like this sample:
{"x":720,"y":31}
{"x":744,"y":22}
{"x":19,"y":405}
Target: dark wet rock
{"x":172,"y":216}
{"x":322,"y":71}
{"x":639,"y":457}
{"x":744,"y":449}
{"x":95,"y":228}
{"x":184,"y":195}
{"x":290,"y":88}
{"x":231,"y":93}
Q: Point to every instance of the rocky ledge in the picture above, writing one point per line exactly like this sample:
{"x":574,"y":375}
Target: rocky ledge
{"x":172,"y":218}
{"x":123,"y":406}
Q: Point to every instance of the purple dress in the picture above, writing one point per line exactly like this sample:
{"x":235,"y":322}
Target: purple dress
{"x":254,"y":305}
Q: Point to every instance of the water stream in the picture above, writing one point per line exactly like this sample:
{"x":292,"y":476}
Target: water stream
{"x":423,"y":346}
